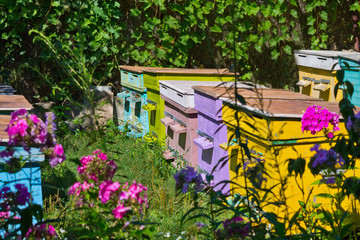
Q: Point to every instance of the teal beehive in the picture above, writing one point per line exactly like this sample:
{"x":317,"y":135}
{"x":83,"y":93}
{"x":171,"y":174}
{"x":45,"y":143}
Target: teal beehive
{"x":351,"y":67}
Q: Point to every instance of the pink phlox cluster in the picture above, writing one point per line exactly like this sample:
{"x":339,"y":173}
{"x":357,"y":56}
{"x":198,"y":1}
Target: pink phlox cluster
{"x":135,"y":190}
{"x":188,"y":176}
{"x":327,"y":158}
{"x":28,"y":130}
{"x":77,"y":188}
{"x":120,"y":211}
{"x":4,"y":215}
{"x":106,"y":189}
{"x":123,"y":197}
{"x":41,"y":231}
{"x":96,"y":167}
{"x":317,"y":118}
{"x":98,"y":170}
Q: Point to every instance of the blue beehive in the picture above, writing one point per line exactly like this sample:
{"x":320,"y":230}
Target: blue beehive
{"x":134,"y":98}
{"x":351,"y":66}
{"x":30,"y":174}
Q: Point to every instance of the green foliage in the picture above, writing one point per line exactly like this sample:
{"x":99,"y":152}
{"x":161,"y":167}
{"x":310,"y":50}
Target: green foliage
{"x":251,"y":37}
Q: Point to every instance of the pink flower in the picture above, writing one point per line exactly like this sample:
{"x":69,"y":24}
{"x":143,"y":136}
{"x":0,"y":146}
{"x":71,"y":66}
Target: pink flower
{"x":106,"y":189}
{"x":41,"y":231}
{"x":75,"y":189}
{"x":35,"y":119}
{"x":135,"y":190}
{"x":317,"y":118}
{"x":120,"y":211}
{"x":5,"y":214}
{"x":58,"y":150}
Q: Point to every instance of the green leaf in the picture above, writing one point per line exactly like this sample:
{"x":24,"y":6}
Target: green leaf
{"x":254,"y":10}
{"x":324,"y":15}
{"x":172,"y":22}
{"x":294,"y":13}
{"x":324,"y":195}
{"x":287,"y":50}
{"x":140,"y":43}
{"x":275,"y":54}
{"x":312,"y":31}
{"x":349,"y":88}
{"x":55,"y":3}
{"x":215,"y":28}
{"x":135,"y":12}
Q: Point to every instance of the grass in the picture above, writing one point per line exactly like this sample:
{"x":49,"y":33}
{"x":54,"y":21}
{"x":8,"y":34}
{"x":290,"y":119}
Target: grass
{"x":136,"y":161}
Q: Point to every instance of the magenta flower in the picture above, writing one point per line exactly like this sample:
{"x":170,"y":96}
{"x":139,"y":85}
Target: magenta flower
{"x":120,"y":211}
{"x":317,"y":118}
{"x":106,"y":189}
{"x":41,"y":231}
{"x":75,"y":189}
{"x":96,"y":167}
{"x":28,"y":130}
{"x":5,"y":214}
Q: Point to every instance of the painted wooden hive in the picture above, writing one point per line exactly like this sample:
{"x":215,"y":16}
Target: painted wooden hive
{"x":317,"y":73}
{"x":211,"y":133}
{"x":157,"y":104}
{"x":31,"y":172}
{"x":271,"y":128}
{"x":180,"y":119}
{"x":131,"y":101}
{"x":6,"y":89}
{"x":350,"y":64}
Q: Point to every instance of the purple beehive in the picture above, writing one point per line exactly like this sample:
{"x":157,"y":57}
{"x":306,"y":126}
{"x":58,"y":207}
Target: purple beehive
{"x":211,"y":133}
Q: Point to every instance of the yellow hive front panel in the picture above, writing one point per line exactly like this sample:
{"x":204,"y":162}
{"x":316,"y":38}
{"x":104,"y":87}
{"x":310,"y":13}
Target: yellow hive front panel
{"x":287,"y":143}
{"x":317,"y":77}
{"x":156,"y":128}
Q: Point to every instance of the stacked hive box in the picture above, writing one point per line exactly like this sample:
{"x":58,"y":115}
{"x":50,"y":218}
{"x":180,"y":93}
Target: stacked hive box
{"x":212,"y":132}
{"x":276,"y":137}
{"x":132,"y":101}
{"x":31,"y":172}
{"x":317,"y":73}
{"x":350,"y":64}
{"x":156,"y":105}
{"x":180,"y":118}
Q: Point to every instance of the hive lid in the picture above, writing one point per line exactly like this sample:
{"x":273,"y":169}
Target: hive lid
{"x":138,"y":69}
{"x":354,"y":56}
{"x":325,"y":53}
{"x":14,"y":102}
{"x":281,"y":107}
{"x":265,"y":93}
{"x":190,"y":71}
{"x":186,"y":87}
{"x":6,"y":89}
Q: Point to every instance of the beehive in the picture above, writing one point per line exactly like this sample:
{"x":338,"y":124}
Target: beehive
{"x":31,"y":172}
{"x":275,"y":138}
{"x":317,"y":73}
{"x":180,"y":118}
{"x":351,"y":66}
{"x":157,"y":105}
{"x":131,"y":102}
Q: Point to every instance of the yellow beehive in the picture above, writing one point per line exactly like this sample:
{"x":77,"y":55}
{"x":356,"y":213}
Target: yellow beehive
{"x":275,"y":138}
{"x":317,"y":73}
